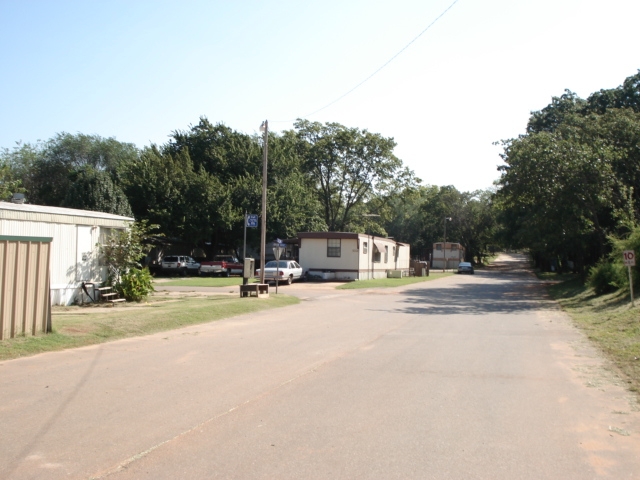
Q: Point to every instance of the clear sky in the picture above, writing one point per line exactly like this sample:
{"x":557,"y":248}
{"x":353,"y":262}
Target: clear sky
{"x":137,"y":70}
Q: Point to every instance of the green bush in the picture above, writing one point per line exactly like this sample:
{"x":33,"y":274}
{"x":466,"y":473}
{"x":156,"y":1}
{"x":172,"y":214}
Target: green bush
{"x":604,"y":277}
{"x":630,"y":242}
{"x":136,"y":284}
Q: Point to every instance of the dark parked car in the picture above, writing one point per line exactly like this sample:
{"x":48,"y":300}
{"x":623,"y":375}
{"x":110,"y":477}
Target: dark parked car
{"x":465,"y":267}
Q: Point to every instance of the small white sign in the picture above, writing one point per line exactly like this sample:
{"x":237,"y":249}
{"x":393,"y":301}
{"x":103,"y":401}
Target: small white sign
{"x":629,"y":258}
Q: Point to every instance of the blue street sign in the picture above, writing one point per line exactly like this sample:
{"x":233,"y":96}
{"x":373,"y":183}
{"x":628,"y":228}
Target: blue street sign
{"x":252,"y":221}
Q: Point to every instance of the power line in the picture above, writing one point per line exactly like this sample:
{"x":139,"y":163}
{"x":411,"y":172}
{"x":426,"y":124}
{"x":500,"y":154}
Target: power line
{"x":383,"y":66}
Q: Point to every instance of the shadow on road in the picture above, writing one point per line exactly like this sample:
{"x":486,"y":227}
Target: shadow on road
{"x":505,"y":287}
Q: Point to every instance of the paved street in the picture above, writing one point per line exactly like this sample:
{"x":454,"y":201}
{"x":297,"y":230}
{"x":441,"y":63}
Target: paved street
{"x":466,"y":377}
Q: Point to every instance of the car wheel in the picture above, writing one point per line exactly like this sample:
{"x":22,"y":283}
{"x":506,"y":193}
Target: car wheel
{"x":227,"y":274}
{"x":289,"y":279}
{"x":183,"y":272}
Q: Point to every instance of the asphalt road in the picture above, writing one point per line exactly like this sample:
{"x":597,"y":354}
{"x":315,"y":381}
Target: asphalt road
{"x":474,"y":377}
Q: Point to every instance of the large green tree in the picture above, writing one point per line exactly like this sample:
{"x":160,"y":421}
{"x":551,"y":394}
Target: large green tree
{"x":200,"y":184}
{"x":48,"y":169}
{"x":9,"y":184}
{"x":168,"y":190}
{"x":573,"y":178}
{"x":236,"y":160}
{"x":349,"y":166}
{"x":95,"y":190}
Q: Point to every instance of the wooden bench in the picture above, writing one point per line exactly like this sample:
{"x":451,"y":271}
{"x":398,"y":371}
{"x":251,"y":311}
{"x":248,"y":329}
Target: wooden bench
{"x":260,"y":290}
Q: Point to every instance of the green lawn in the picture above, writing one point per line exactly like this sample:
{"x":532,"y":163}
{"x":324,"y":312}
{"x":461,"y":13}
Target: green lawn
{"x":202,"y":282}
{"x":79,"y":326}
{"x":392,"y":282}
{"x":608,"y":320}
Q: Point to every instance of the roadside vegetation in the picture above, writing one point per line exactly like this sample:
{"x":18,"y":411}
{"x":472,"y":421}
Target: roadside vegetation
{"x":80,"y":326}
{"x":571,"y":181}
{"x":608,"y":320}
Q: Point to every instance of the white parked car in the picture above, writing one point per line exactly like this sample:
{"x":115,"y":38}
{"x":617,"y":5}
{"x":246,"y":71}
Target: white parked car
{"x":180,"y":264}
{"x":286,"y":271}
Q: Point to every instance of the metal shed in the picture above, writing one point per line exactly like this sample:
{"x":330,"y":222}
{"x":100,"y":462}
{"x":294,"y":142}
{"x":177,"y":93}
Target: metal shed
{"x":25,"y":306}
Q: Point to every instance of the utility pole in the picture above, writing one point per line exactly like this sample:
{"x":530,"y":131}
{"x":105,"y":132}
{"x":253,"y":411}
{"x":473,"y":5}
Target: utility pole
{"x":263,"y":234}
{"x":444,"y":245}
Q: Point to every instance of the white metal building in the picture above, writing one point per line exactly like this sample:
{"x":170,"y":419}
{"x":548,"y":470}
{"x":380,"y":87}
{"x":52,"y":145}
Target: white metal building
{"x":448,"y":256}
{"x":351,"y":256}
{"x":75,"y":235}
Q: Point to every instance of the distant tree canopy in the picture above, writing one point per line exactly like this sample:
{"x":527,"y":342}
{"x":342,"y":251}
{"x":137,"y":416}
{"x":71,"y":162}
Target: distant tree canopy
{"x":48,"y":169}
{"x":417,"y":215}
{"x":574,"y":178}
{"x":95,"y":190}
{"x":9,"y":184}
{"x":198,"y":186}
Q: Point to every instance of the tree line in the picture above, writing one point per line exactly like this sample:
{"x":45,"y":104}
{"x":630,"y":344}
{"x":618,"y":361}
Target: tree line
{"x":570,"y":186}
{"x":568,"y":191}
{"x":198,"y":186}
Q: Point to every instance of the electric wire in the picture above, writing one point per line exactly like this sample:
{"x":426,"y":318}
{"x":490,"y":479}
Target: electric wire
{"x":379,"y":69}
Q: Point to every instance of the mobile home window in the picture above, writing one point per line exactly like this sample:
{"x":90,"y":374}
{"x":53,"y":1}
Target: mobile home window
{"x":333,"y":247}
{"x":386,"y":254}
{"x":364,"y":248}
{"x":376,"y":253}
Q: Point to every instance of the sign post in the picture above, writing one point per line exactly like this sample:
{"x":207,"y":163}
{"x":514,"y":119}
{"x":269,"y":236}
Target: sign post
{"x":629,"y":259}
{"x":278,"y":249}
{"x":251,"y":221}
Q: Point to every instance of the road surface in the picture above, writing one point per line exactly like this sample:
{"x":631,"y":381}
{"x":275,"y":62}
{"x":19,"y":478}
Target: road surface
{"x":474,"y":377}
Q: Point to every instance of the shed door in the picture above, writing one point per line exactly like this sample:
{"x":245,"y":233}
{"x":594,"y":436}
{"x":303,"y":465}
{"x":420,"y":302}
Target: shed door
{"x":84,"y":248}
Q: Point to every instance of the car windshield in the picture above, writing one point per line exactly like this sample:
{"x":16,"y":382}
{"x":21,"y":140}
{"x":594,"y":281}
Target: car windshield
{"x":274,"y":264}
{"x":465,"y":264}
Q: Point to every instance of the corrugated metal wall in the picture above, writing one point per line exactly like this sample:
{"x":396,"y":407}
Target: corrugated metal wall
{"x":25,"y":307}
{"x":64,"y":245}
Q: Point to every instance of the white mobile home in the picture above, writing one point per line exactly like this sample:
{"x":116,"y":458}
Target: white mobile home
{"x":74,"y":235}
{"x":350,"y":256}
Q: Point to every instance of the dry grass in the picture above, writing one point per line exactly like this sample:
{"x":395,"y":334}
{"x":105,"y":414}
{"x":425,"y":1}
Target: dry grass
{"x":79,"y":326}
{"x":609,"y":321}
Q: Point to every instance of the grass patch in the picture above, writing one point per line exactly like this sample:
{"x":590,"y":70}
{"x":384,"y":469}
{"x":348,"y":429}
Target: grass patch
{"x":202,"y":282}
{"x":556,"y":277}
{"x":608,"y":320}
{"x":391,"y":282}
{"x":488,"y":260}
{"x":80,"y":326}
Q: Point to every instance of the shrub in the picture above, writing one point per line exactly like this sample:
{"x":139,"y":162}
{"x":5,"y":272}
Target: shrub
{"x":136,"y":284}
{"x":604,"y":277}
{"x":630,"y":242}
